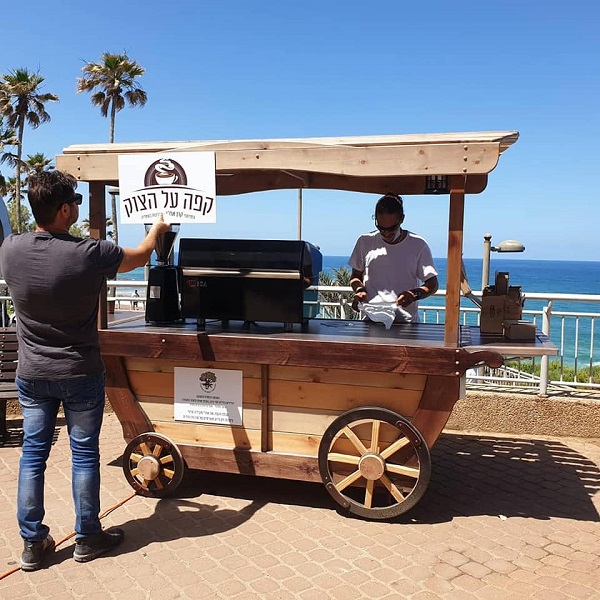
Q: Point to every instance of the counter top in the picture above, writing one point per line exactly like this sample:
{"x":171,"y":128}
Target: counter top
{"x":339,"y":330}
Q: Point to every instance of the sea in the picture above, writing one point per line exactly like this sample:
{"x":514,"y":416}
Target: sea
{"x":540,"y":276}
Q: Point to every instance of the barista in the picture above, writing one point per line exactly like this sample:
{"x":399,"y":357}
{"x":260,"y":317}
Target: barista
{"x":392,"y":264}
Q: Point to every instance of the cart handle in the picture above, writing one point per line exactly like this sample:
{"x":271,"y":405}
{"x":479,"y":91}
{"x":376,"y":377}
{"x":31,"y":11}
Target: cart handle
{"x":488,"y":357}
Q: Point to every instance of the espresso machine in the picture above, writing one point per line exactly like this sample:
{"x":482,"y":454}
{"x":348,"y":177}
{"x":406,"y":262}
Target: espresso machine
{"x":162,"y":296}
{"x":249,"y":280}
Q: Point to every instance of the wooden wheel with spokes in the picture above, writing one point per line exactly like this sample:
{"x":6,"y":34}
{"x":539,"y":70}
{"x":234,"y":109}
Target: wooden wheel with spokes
{"x":153,"y":465}
{"x":374,"y":462}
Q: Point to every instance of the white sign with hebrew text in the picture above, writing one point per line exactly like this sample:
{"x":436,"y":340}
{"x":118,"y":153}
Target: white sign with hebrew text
{"x":179,"y":185}
{"x":208,"y":395}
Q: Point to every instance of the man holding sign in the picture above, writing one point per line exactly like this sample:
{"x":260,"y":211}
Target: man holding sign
{"x":55,"y":281}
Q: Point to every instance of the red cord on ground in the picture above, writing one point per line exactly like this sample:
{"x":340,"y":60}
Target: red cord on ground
{"x":68,"y":537}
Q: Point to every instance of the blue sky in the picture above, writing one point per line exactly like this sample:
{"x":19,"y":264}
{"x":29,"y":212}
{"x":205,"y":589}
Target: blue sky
{"x":236,"y":70}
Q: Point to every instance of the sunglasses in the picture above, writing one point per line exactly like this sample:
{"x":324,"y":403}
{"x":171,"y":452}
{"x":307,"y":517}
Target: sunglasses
{"x":386,"y":229}
{"x":77,"y":199}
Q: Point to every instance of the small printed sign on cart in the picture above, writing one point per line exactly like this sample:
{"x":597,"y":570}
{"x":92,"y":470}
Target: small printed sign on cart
{"x":179,"y":185}
{"x":208,"y":396}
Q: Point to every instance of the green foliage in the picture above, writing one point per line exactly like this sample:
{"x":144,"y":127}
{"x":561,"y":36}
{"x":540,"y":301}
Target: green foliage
{"x":341,"y":277}
{"x":27,"y":222}
{"x":554,"y":374}
{"x":77,"y":231}
{"x":85,"y":229}
{"x":37,"y":162}
{"x":22,"y":103}
{"x":7,"y":139}
{"x":112,"y":83}
{"x":34,"y":164}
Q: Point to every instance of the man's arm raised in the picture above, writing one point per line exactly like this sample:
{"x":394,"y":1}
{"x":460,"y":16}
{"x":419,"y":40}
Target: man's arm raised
{"x":139,"y":257}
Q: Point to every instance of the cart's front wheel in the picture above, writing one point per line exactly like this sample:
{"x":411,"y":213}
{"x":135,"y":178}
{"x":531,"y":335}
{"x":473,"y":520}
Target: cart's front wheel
{"x":153,"y":465}
{"x":374,"y":462}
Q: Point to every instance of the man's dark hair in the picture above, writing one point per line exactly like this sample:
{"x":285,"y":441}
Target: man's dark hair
{"x":390,"y":204}
{"x":47,"y":192}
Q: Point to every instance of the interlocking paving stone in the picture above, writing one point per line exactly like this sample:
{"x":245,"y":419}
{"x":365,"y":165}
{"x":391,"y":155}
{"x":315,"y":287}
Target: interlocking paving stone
{"x":505,"y":517}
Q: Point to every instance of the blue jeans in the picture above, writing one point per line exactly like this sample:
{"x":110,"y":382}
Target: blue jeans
{"x":83,"y":404}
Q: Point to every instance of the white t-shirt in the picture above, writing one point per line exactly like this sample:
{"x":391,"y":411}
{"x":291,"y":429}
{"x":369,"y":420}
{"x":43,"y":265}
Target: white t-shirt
{"x":390,"y":269}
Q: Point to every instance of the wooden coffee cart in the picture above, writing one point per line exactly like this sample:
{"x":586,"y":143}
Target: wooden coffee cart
{"x":347,"y":403}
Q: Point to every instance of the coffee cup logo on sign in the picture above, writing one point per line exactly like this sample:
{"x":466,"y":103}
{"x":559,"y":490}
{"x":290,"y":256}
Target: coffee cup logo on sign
{"x":165,"y":171}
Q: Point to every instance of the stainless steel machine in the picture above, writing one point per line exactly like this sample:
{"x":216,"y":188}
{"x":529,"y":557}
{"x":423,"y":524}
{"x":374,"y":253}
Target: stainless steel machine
{"x":249,"y":280}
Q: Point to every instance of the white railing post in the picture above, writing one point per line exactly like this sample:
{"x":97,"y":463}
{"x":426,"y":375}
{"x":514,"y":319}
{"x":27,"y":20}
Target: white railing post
{"x":545,"y":362}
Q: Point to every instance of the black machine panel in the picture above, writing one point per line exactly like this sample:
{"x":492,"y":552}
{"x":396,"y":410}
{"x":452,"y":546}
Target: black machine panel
{"x":249,"y":280}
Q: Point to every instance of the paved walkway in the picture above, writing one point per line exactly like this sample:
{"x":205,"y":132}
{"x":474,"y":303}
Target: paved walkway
{"x":504,"y":518}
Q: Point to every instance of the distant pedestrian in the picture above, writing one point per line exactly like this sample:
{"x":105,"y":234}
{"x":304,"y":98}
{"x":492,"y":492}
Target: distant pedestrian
{"x":135,"y":295}
{"x":54,"y":280}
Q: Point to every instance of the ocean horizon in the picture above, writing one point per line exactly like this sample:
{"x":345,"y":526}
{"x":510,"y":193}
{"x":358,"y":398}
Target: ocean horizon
{"x":539,"y":276}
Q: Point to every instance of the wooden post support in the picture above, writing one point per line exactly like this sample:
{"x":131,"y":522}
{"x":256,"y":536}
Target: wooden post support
{"x":98,"y":231}
{"x":453,"y":267}
{"x":264,"y":408}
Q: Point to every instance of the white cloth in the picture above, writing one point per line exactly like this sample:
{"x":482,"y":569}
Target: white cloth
{"x":384,"y":312}
{"x":390,"y":269}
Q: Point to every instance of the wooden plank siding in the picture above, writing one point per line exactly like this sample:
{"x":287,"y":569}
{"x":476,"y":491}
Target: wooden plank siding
{"x":298,"y":350}
{"x":300,"y":403}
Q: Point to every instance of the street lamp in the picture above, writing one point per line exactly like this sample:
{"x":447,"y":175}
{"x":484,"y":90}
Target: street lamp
{"x":506,"y":246}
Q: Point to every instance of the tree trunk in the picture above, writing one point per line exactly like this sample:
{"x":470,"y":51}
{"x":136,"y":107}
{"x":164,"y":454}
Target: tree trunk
{"x":18,"y":176}
{"x":113,"y":112}
{"x":113,"y":200}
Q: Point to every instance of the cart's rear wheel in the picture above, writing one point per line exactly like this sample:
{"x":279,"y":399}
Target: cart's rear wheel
{"x":374,"y":462}
{"x":153,"y":465}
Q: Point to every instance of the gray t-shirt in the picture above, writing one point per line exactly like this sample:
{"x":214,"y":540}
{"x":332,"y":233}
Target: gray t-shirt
{"x":55,"y":282}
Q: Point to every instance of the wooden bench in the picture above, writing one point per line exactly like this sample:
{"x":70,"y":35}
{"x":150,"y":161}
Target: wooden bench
{"x":8,"y":370}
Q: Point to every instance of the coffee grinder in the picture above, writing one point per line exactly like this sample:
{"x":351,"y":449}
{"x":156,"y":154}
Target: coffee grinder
{"x":162,"y":296}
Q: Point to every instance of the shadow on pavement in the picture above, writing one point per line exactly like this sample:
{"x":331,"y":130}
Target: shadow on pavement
{"x":177,"y":518}
{"x":173,"y":519}
{"x":487,"y":475}
{"x":14,"y":433}
{"x":471,"y":475}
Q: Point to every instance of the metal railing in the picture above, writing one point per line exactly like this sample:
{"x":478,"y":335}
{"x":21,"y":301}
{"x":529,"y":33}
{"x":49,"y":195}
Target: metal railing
{"x":576,"y":368}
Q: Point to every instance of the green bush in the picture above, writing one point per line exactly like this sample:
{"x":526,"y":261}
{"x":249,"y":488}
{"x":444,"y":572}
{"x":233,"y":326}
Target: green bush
{"x":568,"y":374}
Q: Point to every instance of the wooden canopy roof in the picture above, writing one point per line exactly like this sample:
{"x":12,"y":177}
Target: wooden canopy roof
{"x":376,"y":164}
{"x":404,"y":164}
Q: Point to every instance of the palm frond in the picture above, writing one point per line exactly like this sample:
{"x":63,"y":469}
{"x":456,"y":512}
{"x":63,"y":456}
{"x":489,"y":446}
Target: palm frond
{"x":22,"y":103}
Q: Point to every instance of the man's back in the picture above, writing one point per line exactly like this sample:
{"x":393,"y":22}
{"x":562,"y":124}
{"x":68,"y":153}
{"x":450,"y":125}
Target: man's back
{"x":55,"y":281}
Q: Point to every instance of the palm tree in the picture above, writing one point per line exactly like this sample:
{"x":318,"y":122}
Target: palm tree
{"x":19,"y":220}
{"x":22,"y":104}
{"x":7,"y":138}
{"x":340,"y":277}
{"x":113,"y":84}
{"x":76,"y":231}
{"x":20,"y":216}
{"x":85,"y":228}
{"x":37,"y":162}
